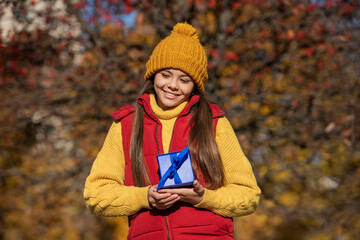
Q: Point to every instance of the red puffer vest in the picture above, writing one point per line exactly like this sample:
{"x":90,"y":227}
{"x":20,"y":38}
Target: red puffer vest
{"x":182,"y":220}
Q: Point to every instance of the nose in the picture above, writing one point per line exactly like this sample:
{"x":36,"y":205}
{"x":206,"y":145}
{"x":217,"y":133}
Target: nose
{"x":172,"y":84}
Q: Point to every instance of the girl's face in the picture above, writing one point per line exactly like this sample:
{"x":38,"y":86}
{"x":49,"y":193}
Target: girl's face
{"x":172,"y":87}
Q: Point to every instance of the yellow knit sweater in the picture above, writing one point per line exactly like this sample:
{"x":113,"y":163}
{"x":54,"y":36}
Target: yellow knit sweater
{"x":106,"y":195}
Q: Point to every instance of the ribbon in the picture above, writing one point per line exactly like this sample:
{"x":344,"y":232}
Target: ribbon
{"x":176,"y":162}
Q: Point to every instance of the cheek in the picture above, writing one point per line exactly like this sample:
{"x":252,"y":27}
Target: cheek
{"x":158,"y":85}
{"x":189,"y":89}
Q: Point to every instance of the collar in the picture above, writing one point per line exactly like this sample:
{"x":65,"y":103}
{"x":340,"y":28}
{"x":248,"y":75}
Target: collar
{"x":148,"y":101}
{"x":165,"y":114}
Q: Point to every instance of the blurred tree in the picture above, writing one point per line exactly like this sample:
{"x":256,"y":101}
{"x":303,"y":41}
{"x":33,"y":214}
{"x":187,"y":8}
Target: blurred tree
{"x":286,"y":73}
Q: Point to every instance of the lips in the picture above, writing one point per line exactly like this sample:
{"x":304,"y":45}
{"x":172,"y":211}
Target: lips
{"x":170,"y":95}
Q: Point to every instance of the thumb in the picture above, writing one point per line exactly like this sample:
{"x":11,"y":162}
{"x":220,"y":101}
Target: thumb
{"x":197,"y":187}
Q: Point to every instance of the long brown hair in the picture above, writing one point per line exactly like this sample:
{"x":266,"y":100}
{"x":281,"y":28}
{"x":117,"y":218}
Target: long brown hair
{"x":203,"y":148}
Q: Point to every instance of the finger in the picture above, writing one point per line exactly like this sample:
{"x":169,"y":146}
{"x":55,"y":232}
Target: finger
{"x":197,"y":187}
{"x":153,"y":189}
{"x":179,"y":191}
{"x":169,"y":199}
{"x":156,"y":195}
{"x":165,"y":203}
{"x":170,"y":203}
{"x":160,"y":196}
{"x":167,"y":191}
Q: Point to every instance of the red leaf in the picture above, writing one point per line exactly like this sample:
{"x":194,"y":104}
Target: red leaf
{"x":320,"y":44}
{"x":309,"y":51}
{"x":320,"y":65}
{"x":325,"y":84}
{"x":51,"y":74}
{"x":346,"y":132}
{"x":212,"y":3}
{"x":48,"y":94}
{"x":299,"y":79}
{"x":346,"y":8}
{"x":257,"y":76}
{"x":214,"y":53}
{"x":229,"y":30}
{"x":22,"y":71}
{"x":231,"y":56}
{"x":311,"y":7}
{"x":265,"y":34}
{"x":331,"y":51}
{"x":253,"y":85}
{"x":5,"y":79}
{"x":349,"y":35}
{"x":236,"y":5}
{"x":79,"y":5}
{"x":301,"y":34}
{"x":13,"y":65}
{"x":311,"y":86}
{"x":61,"y":47}
{"x":32,"y":84}
{"x":128,"y":9}
{"x":294,"y":104}
{"x":328,"y":4}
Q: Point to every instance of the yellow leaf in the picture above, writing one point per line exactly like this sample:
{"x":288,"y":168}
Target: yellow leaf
{"x":282,"y":176}
{"x":237,"y":99}
{"x":254,"y":106}
{"x":291,"y":33}
{"x":272,"y":122}
{"x":263,"y":170}
{"x":321,"y":236}
{"x":112,"y":32}
{"x":265,"y":110}
{"x":288,"y":199}
{"x":235,"y":122}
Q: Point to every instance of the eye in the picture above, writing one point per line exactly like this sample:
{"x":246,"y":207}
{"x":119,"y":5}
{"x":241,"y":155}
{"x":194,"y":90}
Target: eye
{"x":185,"y":80}
{"x":165,"y":75}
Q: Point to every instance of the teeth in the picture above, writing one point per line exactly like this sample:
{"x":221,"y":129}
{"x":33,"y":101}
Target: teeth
{"x":167,"y":93}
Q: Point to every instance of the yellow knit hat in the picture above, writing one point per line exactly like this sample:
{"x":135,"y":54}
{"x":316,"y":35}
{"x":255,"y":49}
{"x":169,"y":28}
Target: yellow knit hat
{"x":180,"y":50}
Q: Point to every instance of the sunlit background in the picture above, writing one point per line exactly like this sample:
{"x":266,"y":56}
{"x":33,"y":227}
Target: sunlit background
{"x":286,"y":73}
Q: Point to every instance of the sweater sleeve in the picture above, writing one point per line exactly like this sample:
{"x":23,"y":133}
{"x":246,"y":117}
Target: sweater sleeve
{"x":105,"y":193}
{"x":240,"y":194}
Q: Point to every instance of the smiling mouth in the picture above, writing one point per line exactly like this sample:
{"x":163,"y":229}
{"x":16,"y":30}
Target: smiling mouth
{"x":170,"y":94}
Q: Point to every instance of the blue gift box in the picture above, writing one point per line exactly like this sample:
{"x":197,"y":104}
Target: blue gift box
{"x":175,"y":169}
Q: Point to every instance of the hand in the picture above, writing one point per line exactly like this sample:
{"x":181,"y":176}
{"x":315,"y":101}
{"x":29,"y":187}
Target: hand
{"x":161,"y":200}
{"x":190,"y":195}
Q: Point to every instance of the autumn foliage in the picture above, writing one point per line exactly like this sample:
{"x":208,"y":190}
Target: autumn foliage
{"x":285,"y":72}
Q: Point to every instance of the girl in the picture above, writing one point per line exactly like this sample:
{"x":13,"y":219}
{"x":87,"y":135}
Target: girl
{"x":171,"y":114}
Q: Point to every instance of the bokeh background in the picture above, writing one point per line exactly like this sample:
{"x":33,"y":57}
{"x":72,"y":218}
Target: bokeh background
{"x":286,"y":72}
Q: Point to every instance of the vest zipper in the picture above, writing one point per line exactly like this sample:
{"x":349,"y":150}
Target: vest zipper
{"x":167,"y":226}
{"x":156,"y":140}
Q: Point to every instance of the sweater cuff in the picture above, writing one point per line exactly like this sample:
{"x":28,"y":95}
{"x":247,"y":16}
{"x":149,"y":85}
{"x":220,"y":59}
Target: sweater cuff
{"x":205,"y":200}
{"x":141,"y":196}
